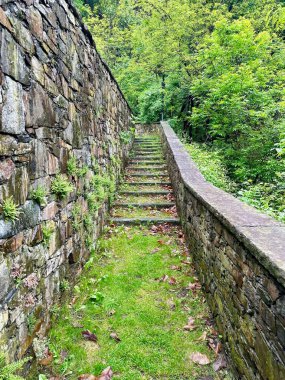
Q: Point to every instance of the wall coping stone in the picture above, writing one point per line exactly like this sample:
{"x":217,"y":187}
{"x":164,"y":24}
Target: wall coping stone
{"x":262,"y":235}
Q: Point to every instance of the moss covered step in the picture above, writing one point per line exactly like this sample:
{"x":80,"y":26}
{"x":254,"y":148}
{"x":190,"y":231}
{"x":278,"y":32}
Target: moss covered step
{"x":145,"y":183}
{"x":147,"y":175}
{"x":146,"y":193}
{"x":148,"y":158}
{"x":134,"y":162}
{"x":155,"y":205}
{"x":138,"y":168}
{"x":140,"y":221}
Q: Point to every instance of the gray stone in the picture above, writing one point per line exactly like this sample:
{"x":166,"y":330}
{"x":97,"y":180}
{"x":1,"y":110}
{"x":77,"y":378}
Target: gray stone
{"x":39,"y":108}
{"x":12,"y":59}
{"x":5,"y":281}
{"x":29,"y":217}
{"x":13,"y":118}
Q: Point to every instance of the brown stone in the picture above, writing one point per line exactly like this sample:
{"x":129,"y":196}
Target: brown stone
{"x":5,"y":21}
{"x":11,"y":245}
{"x":50,"y":211}
{"x":7,"y":168}
{"x":36,"y":23}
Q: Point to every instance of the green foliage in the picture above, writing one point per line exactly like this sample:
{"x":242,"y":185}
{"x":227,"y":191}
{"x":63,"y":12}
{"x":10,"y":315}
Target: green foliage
{"x":61,"y":186}
{"x":216,"y":69}
{"x":126,"y":137}
{"x":72,"y":166}
{"x":8,"y":371}
{"x":266,"y":197}
{"x":47,"y":231}
{"x":31,"y":322}
{"x":10,"y":210}
{"x":39,"y":195}
{"x":210,"y":164}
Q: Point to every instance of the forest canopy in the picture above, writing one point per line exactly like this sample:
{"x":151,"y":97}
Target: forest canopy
{"x":214,"y":69}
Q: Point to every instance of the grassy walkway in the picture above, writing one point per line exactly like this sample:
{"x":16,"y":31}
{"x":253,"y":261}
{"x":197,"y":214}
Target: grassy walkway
{"x":140,"y":298}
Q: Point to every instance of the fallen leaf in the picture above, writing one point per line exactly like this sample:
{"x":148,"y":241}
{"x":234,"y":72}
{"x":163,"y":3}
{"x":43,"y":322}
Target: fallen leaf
{"x":199,"y":358}
{"x":87,"y":377}
{"x":47,"y":359}
{"x":220,"y":363}
{"x":155,"y":251}
{"x":172,"y":281}
{"x":115,"y":337}
{"x":194,"y":286}
{"x":111,"y":312}
{"x":164,"y":278}
{"x":89,"y":336}
{"x":175,"y":267}
{"x":203,"y":337}
{"x":190,"y":325}
{"x":107,"y":374}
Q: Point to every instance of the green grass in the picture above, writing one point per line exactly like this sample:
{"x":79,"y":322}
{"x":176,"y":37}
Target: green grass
{"x":118,"y":292}
{"x":133,"y":212}
{"x":142,"y":199}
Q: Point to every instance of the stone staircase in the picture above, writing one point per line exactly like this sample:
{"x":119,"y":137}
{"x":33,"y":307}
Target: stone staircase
{"x":146,"y":197}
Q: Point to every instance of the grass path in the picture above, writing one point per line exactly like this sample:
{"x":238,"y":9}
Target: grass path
{"x":140,"y":288}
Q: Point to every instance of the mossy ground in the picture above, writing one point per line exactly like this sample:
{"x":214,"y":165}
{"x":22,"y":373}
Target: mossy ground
{"x":120,"y":291}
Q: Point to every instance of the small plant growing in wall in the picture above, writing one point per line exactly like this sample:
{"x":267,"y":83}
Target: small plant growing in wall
{"x":126,"y":137}
{"x":47,"y":232}
{"x":72,"y":166}
{"x":61,"y":186}
{"x":10,"y":210}
{"x":39,"y":195}
{"x":31,"y":323}
{"x":76,"y":216}
{"x":82,"y":171}
{"x":8,"y":370}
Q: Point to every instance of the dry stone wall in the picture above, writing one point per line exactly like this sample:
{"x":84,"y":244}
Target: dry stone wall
{"x":60,"y":109}
{"x":239,"y":255}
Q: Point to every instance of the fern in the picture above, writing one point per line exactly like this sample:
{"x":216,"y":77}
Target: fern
{"x":7,"y":371}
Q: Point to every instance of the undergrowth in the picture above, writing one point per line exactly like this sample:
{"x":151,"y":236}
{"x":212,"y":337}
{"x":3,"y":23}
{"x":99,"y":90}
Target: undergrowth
{"x":134,"y":286}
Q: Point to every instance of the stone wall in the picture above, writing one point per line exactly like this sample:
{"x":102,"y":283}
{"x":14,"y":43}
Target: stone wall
{"x":239,"y":255}
{"x":60,"y":108}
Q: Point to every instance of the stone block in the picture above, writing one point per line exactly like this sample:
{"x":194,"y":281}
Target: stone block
{"x":40,"y":110}
{"x":12,"y":59}
{"x":13,"y":117}
{"x":7,"y":168}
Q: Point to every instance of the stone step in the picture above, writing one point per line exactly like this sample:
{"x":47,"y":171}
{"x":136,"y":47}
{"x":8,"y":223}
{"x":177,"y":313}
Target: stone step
{"x":138,"y":168}
{"x":153,"y":152}
{"x":147,"y":158}
{"x":153,"y":205}
{"x":145,"y":193}
{"x":147,"y":175}
{"x":148,"y":183}
{"x":147,"y":162}
{"x":138,"y":221}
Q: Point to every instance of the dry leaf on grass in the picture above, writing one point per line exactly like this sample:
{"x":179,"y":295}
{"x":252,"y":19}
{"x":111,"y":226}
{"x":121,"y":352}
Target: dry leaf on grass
{"x":190,"y":325}
{"x":175,"y":267}
{"x":47,"y":359}
{"x":203,"y":337}
{"x":199,"y":358}
{"x":89,"y":336}
{"x":107,"y":374}
{"x":194,"y":286}
{"x":172,"y":281}
{"x":220,"y":363}
{"x":115,"y":337}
